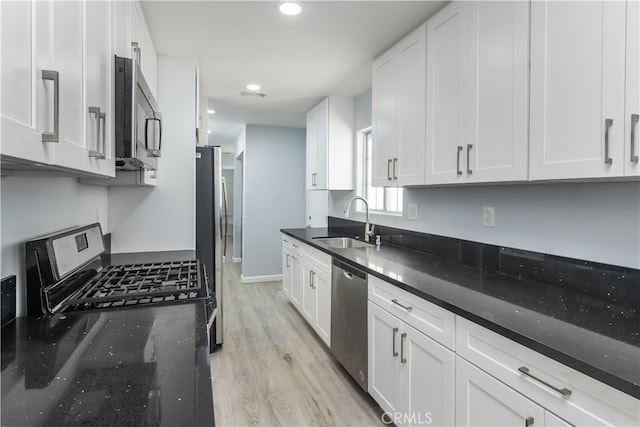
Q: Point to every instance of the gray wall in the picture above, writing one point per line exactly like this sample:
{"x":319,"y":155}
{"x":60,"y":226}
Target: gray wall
{"x":593,"y":221}
{"x":163,"y":218}
{"x":33,"y":206}
{"x":274,"y":195}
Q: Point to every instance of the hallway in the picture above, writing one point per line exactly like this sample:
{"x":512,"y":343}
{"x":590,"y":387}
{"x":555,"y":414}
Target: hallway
{"x":273,"y":370}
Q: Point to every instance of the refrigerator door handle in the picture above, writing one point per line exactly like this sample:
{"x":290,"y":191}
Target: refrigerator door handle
{"x":226,"y":217}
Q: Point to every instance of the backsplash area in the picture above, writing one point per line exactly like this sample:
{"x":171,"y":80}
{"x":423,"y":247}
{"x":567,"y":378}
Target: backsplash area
{"x":602,"y":282}
{"x":34,"y":206}
{"x":586,"y":220}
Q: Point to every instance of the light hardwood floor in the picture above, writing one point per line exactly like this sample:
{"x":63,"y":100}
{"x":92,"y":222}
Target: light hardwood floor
{"x":273,"y":370}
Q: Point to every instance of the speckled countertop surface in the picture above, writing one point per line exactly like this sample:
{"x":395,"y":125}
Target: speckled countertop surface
{"x":141,"y":366}
{"x":600,"y":339}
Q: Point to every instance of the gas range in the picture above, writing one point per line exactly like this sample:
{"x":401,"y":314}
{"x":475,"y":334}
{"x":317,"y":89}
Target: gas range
{"x":68,"y":271}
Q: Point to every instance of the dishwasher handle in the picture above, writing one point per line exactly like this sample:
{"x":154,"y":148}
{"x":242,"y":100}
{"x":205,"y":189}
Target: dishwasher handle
{"x":349,"y":271}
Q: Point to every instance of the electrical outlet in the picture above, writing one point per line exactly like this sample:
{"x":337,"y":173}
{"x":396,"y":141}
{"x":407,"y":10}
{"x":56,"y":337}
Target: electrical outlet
{"x":488,"y":216}
{"x":412,"y":211}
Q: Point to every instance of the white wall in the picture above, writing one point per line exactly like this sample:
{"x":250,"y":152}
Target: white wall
{"x":592,"y":221}
{"x":163,"y":218}
{"x":34,"y":206}
{"x":238,"y":196}
{"x":274,"y":196}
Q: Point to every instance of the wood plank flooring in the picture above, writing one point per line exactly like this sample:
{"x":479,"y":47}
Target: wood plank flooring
{"x":273,"y":370}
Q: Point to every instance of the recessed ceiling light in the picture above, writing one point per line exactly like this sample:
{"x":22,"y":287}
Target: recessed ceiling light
{"x":208,"y":132}
{"x":253,"y":87}
{"x":289,"y":8}
{"x":211,"y":111}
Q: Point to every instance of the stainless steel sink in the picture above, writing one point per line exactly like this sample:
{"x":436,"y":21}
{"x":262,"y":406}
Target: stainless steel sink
{"x":342,"y":242}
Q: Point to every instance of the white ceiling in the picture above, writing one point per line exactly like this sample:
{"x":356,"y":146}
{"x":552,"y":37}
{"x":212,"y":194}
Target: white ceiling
{"x":326,"y":50}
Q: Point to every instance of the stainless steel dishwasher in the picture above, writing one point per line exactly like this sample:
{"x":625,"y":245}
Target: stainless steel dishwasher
{"x":349,"y":319}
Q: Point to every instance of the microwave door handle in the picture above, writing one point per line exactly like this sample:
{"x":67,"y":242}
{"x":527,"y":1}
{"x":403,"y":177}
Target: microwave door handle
{"x":159,"y":118}
{"x":146,"y":134}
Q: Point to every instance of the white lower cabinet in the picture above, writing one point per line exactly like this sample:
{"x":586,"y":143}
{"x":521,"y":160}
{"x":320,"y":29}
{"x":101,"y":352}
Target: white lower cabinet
{"x":410,"y":375}
{"x":482,"y":400}
{"x":306,"y":280}
{"x":428,"y":366}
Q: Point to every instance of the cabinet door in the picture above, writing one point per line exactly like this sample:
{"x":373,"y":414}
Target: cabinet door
{"x":308,"y":306}
{"x":409,"y":161}
{"x":98,"y":86}
{"x":67,"y":58}
{"x":23,"y":89}
{"x":286,"y":273}
{"x":447,"y":86}
{"x":577,"y":89}
{"x":632,"y":91}
{"x":384,"y":119}
{"x":482,"y":400}
{"x":312,"y":149}
{"x":296,"y":281}
{"x":322,"y":146}
{"x":497,"y":147}
{"x":384,"y":358}
{"x":427,"y":380}
{"x":322,"y":325}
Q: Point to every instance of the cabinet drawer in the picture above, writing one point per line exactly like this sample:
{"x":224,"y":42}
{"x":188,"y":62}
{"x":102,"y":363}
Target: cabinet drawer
{"x":320,"y":260}
{"x":292,"y":244}
{"x":590,"y":402}
{"x":433,"y":321}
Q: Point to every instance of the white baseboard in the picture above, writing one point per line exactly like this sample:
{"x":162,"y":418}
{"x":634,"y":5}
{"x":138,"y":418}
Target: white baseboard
{"x":236,"y":260}
{"x":256,"y":279}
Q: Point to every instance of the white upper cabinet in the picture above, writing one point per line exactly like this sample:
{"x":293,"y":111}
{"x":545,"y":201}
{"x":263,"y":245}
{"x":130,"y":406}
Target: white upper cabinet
{"x":578,"y":88}
{"x":23,"y":91}
{"x":330,"y":144}
{"x":133,"y":40}
{"x":63,"y":64}
{"x":398,"y":102}
{"x":477,"y":93}
{"x":632,"y":92}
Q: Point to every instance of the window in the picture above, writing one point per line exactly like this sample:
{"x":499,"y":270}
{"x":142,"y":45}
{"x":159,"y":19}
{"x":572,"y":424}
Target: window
{"x":381,"y":199}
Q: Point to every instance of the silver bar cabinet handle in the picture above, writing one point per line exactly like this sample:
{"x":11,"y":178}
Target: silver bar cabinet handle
{"x":389,"y":176}
{"x":563,"y":391}
{"x":634,"y":123}
{"x":103,"y":144}
{"x":469,"y":147}
{"x":95,"y":111}
{"x":395,"y":301}
{"x":607,"y":125}
{"x":310,"y":279}
{"x":287,"y":263}
{"x":528,"y":422}
{"x":395,"y":168}
{"x":54,"y":77}
{"x":458,"y":171}
{"x":402,"y":337}
{"x":395,"y":332}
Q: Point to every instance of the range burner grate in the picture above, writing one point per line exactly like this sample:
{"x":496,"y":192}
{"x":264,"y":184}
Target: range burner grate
{"x":125,"y":285}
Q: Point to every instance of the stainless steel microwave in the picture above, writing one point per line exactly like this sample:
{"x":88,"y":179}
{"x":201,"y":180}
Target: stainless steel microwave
{"x":138,"y":124}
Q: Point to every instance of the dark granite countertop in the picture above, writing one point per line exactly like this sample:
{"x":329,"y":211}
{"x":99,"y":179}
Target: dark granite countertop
{"x":140,"y":366}
{"x":597,"y":336}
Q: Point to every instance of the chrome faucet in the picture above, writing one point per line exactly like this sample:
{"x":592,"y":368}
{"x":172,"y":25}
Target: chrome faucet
{"x":368,"y":227}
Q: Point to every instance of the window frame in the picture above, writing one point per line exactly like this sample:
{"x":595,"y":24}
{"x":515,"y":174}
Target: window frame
{"x":364,"y":158}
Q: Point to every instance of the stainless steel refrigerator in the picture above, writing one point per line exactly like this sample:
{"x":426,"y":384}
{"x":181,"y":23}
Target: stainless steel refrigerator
{"x":211,"y":226}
